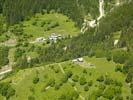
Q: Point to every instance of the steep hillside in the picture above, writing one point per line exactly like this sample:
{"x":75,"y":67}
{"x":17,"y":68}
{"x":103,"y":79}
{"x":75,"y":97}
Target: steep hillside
{"x":120,"y":19}
{"x":70,"y":81}
{"x":49,"y":60}
{"x":75,"y":9}
{"x":93,"y":40}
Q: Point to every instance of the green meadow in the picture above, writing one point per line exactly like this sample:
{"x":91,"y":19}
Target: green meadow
{"x":43,"y":25}
{"x":25,"y":88}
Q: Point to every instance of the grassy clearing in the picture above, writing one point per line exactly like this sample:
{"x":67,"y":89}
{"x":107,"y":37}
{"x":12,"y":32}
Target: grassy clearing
{"x":43,"y":25}
{"x":22,"y":81}
{"x":116,"y":35}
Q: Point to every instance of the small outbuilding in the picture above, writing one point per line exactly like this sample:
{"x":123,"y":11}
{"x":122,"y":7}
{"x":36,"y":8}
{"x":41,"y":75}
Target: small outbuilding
{"x":116,"y":42}
{"x":54,"y":37}
{"x":78,"y":60}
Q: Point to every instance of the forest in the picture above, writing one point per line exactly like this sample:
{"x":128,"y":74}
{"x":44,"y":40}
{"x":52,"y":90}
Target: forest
{"x":3,"y":56}
{"x":74,"y":9}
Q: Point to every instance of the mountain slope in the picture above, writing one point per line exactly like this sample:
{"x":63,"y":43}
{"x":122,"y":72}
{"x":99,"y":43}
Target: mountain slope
{"x":75,"y":9}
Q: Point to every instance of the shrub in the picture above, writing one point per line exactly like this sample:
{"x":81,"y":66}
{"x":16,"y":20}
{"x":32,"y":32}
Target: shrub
{"x":62,"y":97}
{"x":129,"y":77}
{"x":108,"y":56}
{"x":36,"y":80}
{"x":109,"y":93}
{"x":102,"y":86}
{"x":118,"y":67}
{"x":43,"y":23}
{"x":64,"y":78}
{"x":48,"y":42}
{"x":75,"y":78}
{"x":31,"y":98}
{"x":27,"y":18}
{"x":85,"y":71}
{"x":69,"y":74}
{"x":56,"y":70}
{"x":128,"y":64}
{"x":100,"y":79}
{"x":6,"y":90}
{"x":74,"y":95}
{"x":90,"y":83}
{"x":43,"y":11}
{"x":119,"y":56}
{"x":53,"y":25}
{"x":32,"y":90}
{"x":99,"y":92}
{"x":127,"y":97}
{"x":73,"y":84}
{"x":52,"y":11}
{"x":57,"y":86}
{"x":51,"y":66}
{"x":117,"y":83}
{"x":51,"y":82}
{"x":82,"y":80}
{"x":117,"y":90}
{"x":118,"y":97}
{"x":34,"y":23}
{"x":108,"y":81}
{"x":131,"y":85}
{"x":86,"y":88}
{"x":90,"y":73}
{"x":131,"y":97}
{"x":46,"y":28}
{"x":132,"y":90}
{"x":17,"y":30}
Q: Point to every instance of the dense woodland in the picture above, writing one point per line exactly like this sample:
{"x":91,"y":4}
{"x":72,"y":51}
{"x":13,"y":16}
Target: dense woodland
{"x":75,"y":9}
{"x":4,"y":56}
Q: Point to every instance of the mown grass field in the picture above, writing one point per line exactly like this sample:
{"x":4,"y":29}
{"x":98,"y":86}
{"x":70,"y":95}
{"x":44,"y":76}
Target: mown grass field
{"x":39,"y":25}
{"x":22,"y":81}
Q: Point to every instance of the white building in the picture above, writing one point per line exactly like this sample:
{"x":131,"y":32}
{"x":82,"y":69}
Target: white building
{"x":116,"y":42}
{"x":54,"y":37}
{"x":78,"y":60}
